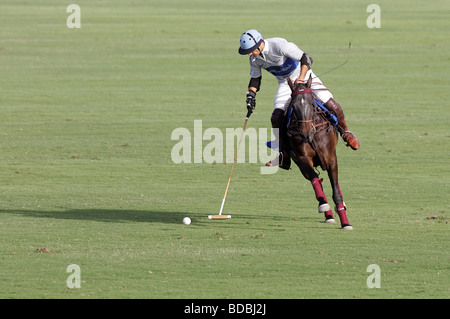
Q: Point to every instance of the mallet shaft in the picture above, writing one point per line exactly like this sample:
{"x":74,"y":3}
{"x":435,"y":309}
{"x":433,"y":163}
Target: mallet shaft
{"x":234,"y":163}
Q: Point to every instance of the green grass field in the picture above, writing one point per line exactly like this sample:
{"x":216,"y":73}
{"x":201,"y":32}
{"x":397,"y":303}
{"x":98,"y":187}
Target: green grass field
{"x":87,"y":178}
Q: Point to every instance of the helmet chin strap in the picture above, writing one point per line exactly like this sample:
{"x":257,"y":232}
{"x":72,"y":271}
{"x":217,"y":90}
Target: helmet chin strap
{"x":260,"y":52}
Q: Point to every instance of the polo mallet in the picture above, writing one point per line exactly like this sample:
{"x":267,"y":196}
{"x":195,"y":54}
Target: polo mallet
{"x":220,"y":216}
{"x":340,"y":65}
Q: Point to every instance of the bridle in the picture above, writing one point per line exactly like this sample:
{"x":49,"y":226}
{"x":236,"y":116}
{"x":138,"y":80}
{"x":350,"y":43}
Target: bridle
{"x":302,"y":91}
{"x":298,"y":92}
{"x":306,"y":135}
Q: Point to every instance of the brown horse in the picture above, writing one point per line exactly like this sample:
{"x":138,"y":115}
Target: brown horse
{"x":313,"y":142}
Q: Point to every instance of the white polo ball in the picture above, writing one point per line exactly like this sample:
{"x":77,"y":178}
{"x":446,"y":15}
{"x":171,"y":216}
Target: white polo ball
{"x":186,"y":220}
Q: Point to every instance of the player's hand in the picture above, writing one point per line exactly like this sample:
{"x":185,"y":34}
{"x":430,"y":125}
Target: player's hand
{"x":251,"y":100}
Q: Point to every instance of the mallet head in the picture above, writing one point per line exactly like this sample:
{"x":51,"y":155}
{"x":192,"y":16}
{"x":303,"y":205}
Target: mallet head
{"x":218,"y":217}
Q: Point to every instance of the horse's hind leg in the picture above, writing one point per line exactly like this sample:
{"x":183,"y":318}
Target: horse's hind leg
{"x":341,"y":209}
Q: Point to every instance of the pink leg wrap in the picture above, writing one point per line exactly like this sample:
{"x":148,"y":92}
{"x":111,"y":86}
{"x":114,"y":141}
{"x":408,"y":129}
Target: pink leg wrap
{"x":328,"y":214}
{"x":340,"y":209}
{"x":317,"y":185}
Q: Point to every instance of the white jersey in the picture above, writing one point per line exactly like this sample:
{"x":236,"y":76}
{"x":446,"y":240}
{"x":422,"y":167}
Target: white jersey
{"x":278,"y":57}
{"x":282,"y":59}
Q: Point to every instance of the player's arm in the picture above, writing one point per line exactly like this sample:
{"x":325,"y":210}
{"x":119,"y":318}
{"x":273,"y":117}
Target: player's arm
{"x":253,"y":87}
{"x":306,"y":62}
{"x":292,"y":51}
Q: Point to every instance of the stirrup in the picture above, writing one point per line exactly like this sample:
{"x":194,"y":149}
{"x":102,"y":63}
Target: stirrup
{"x":279,"y":161}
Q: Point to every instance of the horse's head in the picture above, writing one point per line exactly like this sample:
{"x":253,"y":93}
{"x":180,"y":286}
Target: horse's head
{"x":300,"y":86}
{"x":302,"y":102}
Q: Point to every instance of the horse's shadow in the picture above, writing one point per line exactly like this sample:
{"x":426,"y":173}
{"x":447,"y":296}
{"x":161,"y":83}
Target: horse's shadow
{"x":123,"y":215}
{"x":107,"y":215}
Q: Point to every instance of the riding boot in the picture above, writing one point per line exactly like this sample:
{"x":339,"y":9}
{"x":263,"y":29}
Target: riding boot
{"x":284,"y":159}
{"x":347,"y":135}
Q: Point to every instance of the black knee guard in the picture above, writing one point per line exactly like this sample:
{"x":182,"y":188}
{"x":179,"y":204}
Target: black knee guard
{"x":277,"y":118}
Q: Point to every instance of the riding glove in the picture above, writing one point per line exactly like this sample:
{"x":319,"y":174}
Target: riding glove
{"x":251,"y":100}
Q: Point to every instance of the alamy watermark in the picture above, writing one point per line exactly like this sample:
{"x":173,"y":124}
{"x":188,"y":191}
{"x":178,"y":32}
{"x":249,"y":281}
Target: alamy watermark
{"x":74,"y":279}
{"x":374,"y":19}
{"x":74,"y":19}
{"x":374,"y":280}
{"x":220,"y":147}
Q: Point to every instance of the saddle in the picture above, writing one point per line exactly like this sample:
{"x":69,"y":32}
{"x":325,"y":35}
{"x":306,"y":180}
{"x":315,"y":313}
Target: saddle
{"x":319,"y":110}
{"x":328,"y":114}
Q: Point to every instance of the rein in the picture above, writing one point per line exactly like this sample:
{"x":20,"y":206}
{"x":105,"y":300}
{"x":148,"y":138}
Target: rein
{"x":298,"y":92}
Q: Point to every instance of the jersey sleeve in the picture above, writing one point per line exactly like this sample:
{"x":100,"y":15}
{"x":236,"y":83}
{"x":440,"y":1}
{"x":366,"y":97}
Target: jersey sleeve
{"x":292,"y":51}
{"x":255,"y":70}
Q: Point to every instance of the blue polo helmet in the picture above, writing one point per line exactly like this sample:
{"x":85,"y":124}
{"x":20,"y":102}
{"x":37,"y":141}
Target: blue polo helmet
{"x":250,"y":41}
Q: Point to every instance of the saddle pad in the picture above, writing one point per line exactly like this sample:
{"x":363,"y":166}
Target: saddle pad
{"x":330,"y":116}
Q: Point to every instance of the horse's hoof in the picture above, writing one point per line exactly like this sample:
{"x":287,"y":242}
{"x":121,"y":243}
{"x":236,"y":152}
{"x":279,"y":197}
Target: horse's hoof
{"x":330,"y":221}
{"x":324,"y":208}
{"x":347,"y":227}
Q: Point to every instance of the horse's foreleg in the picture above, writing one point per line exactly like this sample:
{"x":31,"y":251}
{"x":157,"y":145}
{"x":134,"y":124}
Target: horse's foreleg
{"x":304,"y":155}
{"x":309,"y":173}
{"x":341,"y":209}
{"x":324,"y":207}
